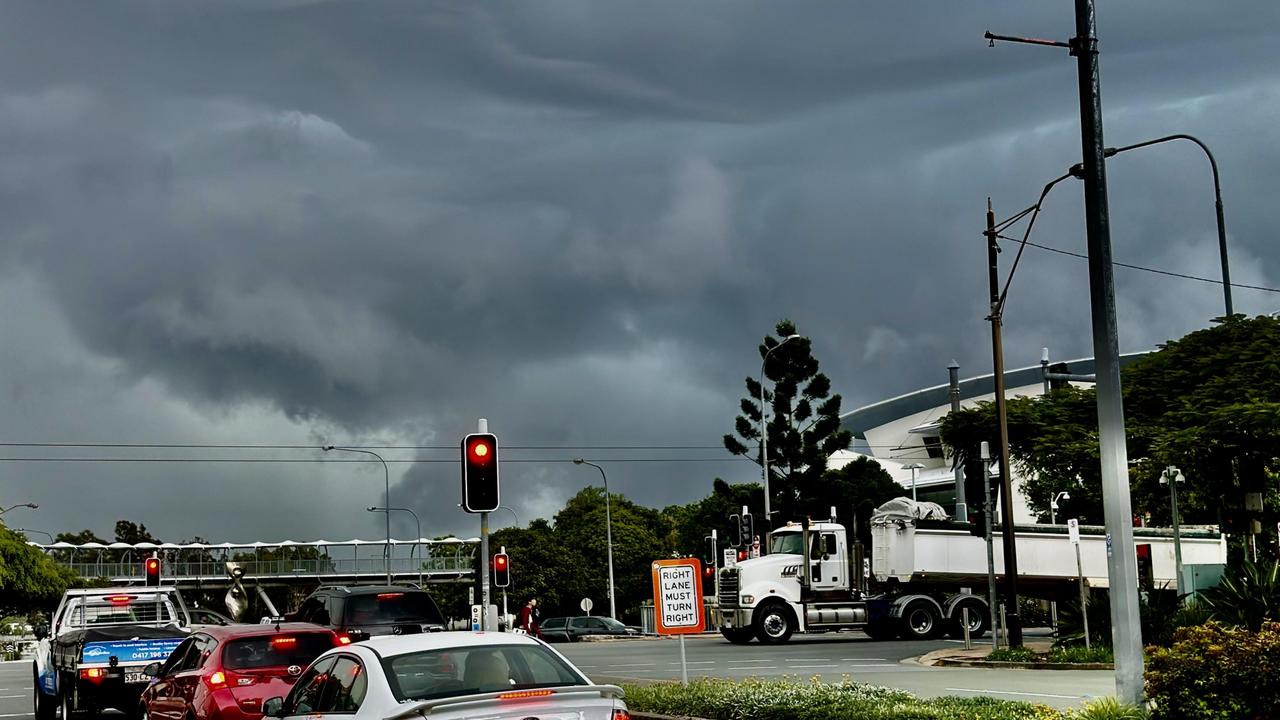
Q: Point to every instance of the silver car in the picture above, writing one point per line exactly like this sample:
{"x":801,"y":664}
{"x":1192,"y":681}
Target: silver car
{"x":447,"y":675}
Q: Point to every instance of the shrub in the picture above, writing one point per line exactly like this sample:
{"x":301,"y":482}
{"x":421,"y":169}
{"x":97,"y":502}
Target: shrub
{"x":1082,"y":654}
{"x":1110,"y":709}
{"x":1216,"y":672}
{"x":1013,"y":654}
{"x":1160,"y":613}
{"x":760,"y":699}
{"x":1248,"y":595}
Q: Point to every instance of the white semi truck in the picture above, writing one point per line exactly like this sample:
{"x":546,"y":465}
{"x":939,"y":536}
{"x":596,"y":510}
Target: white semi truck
{"x":923,"y":574}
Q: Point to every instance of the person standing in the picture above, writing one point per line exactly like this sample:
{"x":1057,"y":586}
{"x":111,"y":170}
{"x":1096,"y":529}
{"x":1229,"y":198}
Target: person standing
{"x":525,"y":621}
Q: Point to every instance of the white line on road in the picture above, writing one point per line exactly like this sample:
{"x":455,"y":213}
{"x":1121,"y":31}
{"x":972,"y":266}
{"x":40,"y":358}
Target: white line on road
{"x":808,"y":659}
{"x":635,"y":665}
{"x":1011,"y":692}
{"x":808,"y":667}
{"x":752,"y":669}
{"x":26,"y":714}
{"x":747,"y":661}
{"x":8,"y":697}
{"x":696,"y":662}
{"x":862,"y":658}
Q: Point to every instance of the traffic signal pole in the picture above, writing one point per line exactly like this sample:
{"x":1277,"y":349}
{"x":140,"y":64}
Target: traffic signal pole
{"x":1013,"y":622}
{"x":483,"y":427}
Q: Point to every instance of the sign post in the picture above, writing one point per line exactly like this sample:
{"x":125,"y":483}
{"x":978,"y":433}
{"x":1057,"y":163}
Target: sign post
{"x":1073,"y":530}
{"x":677,"y":602}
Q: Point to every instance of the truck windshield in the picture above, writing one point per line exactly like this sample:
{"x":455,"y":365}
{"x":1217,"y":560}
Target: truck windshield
{"x":786,"y":544}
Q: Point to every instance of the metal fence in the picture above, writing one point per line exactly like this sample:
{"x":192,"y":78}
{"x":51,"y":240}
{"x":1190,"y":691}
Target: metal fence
{"x":277,"y":568}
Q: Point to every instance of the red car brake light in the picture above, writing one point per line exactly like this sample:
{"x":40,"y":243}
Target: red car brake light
{"x":620,"y":714}
{"x":94,"y":674}
{"x":343,"y":639}
{"x":120,"y":599}
{"x":217,"y":680}
{"x":390,"y":596}
{"x":284,"y":641}
{"x":523,"y":694}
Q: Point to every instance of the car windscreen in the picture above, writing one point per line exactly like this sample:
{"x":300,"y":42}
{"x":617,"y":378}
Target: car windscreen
{"x":613,"y":624}
{"x":474,"y":670}
{"x":392,"y":607}
{"x":279,"y":650}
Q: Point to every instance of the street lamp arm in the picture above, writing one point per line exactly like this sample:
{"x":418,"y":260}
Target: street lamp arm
{"x":386,"y":476}
{"x":998,"y":310}
{"x":1217,"y":201}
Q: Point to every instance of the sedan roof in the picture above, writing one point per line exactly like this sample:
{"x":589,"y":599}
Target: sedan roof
{"x":388,"y":645}
{"x":232,"y":632}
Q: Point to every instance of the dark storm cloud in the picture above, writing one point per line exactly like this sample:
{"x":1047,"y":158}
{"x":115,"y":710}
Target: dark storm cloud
{"x":313,"y":222}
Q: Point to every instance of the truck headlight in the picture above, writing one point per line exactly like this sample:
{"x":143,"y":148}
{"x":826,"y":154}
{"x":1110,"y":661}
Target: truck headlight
{"x":748,"y":599}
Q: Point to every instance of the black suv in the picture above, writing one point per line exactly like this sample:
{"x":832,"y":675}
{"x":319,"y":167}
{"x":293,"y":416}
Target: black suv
{"x":569,"y":629}
{"x":359,"y":611}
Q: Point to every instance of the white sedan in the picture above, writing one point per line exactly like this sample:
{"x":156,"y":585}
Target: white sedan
{"x":447,"y":675}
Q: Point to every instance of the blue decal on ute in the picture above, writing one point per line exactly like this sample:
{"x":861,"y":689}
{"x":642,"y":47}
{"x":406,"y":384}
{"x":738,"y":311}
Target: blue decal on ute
{"x":130,"y":651}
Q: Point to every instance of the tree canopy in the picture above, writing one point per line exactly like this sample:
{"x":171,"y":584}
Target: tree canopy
{"x":1208,"y":403}
{"x":803,"y":427}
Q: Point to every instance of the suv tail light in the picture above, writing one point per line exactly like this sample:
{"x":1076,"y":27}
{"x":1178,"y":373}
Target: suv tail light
{"x":342,"y":639}
{"x":221,"y":679}
{"x":620,"y":714}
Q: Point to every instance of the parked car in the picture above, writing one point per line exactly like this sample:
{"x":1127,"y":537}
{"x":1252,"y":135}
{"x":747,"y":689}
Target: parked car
{"x":224,"y":673}
{"x":569,"y":629}
{"x":360,"y":612}
{"x":447,"y":676}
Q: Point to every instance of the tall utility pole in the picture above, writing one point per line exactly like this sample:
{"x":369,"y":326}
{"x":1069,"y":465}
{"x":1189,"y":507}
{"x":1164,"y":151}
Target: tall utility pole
{"x":953,"y":380}
{"x":1122,"y":567}
{"x":1013,"y":622}
{"x":1122,"y":560}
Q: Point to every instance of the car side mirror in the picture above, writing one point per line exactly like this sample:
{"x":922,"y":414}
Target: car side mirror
{"x":151,"y":670}
{"x":41,"y":632}
{"x":273,"y":707}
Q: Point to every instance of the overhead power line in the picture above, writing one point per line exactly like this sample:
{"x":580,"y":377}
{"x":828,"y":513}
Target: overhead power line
{"x":1157,"y":271}
{"x":206,"y":446}
{"x":390,"y":461}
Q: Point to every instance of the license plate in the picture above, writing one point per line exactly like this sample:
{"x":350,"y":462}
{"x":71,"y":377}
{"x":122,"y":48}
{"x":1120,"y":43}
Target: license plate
{"x":135,"y":677}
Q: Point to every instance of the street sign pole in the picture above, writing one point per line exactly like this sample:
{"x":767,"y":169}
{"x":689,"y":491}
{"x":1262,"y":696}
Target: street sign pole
{"x":677,"y":602}
{"x":1073,"y":530}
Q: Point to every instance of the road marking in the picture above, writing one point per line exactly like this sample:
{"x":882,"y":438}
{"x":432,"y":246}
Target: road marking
{"x":748,"y":661}
{"x":862,"y":658}
{"x":807,"y":667}
{"x":26,"y":714}
{"x":1011,"y":692}
{"x":808,"y":659}
{"x":7,"y":697}
{"x":635,"y":665}
{"x":691,"y":662}
{"x":764,"y":667}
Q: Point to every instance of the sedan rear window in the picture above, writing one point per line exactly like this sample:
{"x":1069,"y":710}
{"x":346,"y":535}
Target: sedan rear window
{"x":475,"y":670}
{"x":275,"y":650}
{"x":392,"y":607}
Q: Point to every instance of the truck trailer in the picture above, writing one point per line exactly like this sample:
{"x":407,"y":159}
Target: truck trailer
{"x":924,"y":573}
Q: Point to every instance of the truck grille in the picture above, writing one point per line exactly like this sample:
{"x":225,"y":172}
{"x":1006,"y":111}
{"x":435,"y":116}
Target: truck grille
{"x":729,"y":587}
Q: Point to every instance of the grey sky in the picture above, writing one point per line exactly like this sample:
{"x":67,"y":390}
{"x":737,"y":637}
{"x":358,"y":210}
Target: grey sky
{"x":296,"y":223}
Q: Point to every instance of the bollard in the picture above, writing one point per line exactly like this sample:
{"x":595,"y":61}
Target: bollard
{"x":964,"y":614}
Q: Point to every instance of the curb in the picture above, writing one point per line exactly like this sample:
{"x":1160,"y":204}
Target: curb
{"x":947,"y":662}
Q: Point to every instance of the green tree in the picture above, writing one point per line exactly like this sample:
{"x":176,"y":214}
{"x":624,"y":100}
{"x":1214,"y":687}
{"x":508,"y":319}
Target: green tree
{"x":690,"y":524}
{"x":133,"y":533}
{"x":803,"y":426}
{"x":859,"y":487}
{"x":29,"y":579}
{"x":1208,"y":403}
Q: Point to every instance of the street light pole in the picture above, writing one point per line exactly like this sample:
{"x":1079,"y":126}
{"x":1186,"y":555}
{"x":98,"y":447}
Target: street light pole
{"x":417,"y":543}
{"x":608,"y":528}
{"x":764,"y":435}
{"x":33,"y":506}
{"x":1217,"y":200}
{"x":387,"y":479}
{"x":1172,"y":476}
{"x":29,"y":530}
{"x":1053,"y":506}
{"x":914,"y":467}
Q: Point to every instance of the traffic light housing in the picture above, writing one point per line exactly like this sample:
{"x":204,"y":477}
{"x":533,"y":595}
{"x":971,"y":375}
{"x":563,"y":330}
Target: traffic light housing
{"x":501,"y":570}
{"x":480,"y":473}
{"x":974,"y":490}
{"x":151,"y":568}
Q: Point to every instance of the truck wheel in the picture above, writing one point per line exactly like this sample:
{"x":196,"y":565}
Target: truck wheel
{"x":979,"y":620}
{"x":66,"y":693}
{"x":737,"y":636}
{"x":45,"y":707}
{"x":773,"y":623}
{"x":921,"y":621}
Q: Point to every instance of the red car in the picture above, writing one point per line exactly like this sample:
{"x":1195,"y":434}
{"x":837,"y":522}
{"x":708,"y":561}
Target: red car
{"x":225,"y":673}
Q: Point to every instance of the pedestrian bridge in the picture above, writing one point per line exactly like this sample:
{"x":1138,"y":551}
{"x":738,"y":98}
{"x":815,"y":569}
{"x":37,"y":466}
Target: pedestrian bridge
{"x":285,"y":561}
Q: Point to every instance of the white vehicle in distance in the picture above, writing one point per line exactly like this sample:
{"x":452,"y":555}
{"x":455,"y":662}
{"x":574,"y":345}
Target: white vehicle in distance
{"x":447,"y":676}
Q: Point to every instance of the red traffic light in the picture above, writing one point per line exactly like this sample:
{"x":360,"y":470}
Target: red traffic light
{"x":501,"y":570}
{"x":151,"y":566}
{"x":500,"y":562}
{"x":479,"y":451}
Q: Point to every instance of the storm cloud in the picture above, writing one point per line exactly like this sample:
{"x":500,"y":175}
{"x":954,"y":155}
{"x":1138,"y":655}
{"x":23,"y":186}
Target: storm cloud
{"x":301,"y":223}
